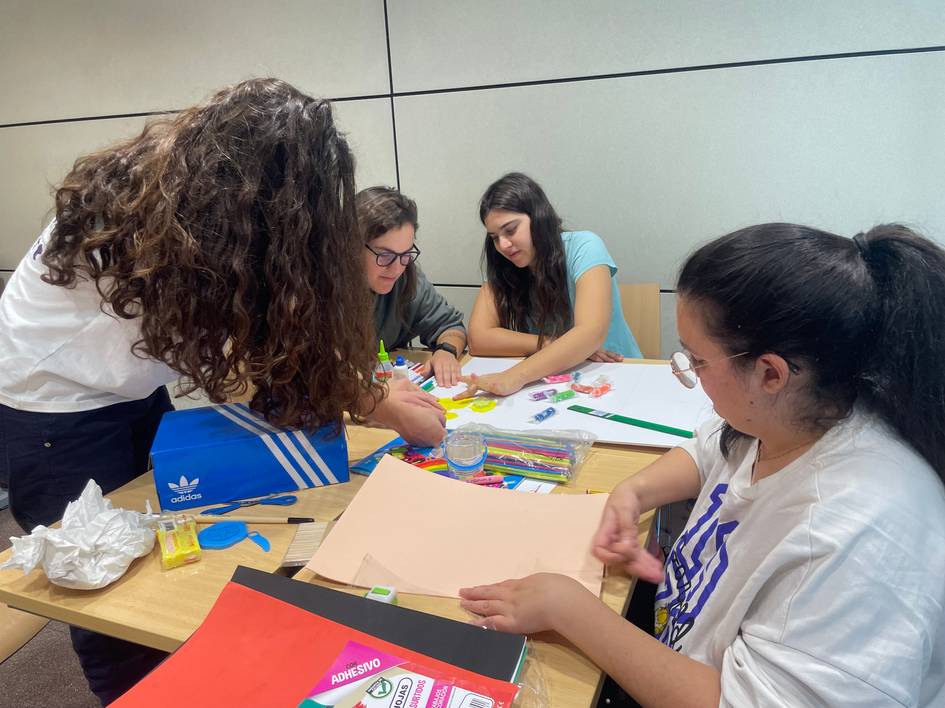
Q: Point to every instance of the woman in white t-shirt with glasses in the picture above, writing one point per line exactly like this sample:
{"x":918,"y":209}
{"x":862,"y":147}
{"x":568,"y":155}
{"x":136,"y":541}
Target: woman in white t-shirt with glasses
{"x":812,"y":569}
{"x":220,"y":246}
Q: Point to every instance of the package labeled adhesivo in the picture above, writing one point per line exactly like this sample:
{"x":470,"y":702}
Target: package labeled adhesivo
{"x":364,"y":677}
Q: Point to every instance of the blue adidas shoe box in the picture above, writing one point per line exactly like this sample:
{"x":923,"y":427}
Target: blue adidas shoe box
{"x":220,"y":453}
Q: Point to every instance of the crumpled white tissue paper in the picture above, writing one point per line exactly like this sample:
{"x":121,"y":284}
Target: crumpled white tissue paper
{"x":93,"y":547}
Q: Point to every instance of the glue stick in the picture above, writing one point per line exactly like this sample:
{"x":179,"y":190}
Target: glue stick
{"x":544,"y":415}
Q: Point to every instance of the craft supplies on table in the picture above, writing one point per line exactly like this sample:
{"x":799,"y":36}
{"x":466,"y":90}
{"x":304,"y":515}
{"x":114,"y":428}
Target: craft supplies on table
{"x":643,"y":391}
{"x":550,"y":455}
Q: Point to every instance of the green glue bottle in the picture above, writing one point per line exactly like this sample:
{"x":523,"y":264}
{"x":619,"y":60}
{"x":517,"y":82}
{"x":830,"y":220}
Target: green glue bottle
{"x":384,"y":370}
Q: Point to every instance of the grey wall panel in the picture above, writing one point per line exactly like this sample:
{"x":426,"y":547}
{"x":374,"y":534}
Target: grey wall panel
{"x":445,"y":43}
{"x":106,"y":57}
{"x":658,"y":164}
{"x":34,"y":159}
{"x":37,"y":157}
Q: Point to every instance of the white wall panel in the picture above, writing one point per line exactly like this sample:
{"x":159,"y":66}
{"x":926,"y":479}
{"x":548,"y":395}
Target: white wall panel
{"x":367,"y":126}
{"x":447,"y":43}
{"x":104,"y":57}
{"x":658,"y":164}
{"x":37,"y":157}
{"x":34,"y":159}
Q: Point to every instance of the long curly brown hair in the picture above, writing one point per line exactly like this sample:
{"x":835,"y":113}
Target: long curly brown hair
{"x":230,"y":231}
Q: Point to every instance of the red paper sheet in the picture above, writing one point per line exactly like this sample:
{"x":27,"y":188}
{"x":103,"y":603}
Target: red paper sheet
{"x":255,"y":650}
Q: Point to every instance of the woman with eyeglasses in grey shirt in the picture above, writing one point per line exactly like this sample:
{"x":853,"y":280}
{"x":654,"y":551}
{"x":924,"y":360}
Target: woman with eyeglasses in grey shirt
{"x":406,"y":305}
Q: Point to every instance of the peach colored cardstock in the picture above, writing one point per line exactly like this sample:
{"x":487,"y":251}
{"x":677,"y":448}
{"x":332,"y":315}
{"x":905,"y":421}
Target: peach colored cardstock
{"x":427,"y":534}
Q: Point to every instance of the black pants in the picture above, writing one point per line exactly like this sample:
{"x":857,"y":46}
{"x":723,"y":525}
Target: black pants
{"x":48,"y":458}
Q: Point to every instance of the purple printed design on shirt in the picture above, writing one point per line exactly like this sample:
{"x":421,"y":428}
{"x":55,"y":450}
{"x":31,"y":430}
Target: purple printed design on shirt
{"x":38,"y":250}
{"x":690,"y":580}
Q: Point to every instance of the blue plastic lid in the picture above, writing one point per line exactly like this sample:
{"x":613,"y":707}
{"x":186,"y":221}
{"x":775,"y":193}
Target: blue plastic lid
{"x":399,"y":361}
{"x":223,"y":534}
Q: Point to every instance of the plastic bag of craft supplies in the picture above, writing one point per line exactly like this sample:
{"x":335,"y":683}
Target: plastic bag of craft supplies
{"x":93,"y":547}
{"x":550,"y":455}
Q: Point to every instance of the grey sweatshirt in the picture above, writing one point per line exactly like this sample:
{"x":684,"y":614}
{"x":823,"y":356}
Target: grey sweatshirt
{"x":428,"y":315}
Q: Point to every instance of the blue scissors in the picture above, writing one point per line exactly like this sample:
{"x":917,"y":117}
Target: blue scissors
{"x":285,"y":500}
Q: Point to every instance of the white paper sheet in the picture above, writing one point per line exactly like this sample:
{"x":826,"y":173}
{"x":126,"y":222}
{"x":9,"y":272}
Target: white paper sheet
{"x":646,"y":391}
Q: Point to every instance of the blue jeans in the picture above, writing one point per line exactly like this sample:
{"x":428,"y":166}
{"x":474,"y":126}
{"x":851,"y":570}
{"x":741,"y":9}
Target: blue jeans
{"x":47,"y":459}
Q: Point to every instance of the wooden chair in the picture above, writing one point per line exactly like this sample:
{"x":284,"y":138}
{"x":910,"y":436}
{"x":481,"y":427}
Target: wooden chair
{"x":16,"y":629}
{"x":641,"y":310}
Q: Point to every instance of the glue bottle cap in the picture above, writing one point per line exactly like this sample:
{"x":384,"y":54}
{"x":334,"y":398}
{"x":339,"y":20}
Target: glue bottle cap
{"x":382,"y":353}
{"x":399,"y":361}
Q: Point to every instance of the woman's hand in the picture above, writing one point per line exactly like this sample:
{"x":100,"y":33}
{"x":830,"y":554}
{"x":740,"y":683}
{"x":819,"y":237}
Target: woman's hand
{"x":414,"y":413}
{"x":502,"y":384}
{"x":533,"y":604}
{"x":617,"y":540}
{"x":444,"y":366}
{"x":606,"y":356}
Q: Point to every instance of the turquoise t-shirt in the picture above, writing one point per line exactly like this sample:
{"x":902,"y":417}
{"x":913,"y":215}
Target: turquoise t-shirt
{"x":584,"y":250}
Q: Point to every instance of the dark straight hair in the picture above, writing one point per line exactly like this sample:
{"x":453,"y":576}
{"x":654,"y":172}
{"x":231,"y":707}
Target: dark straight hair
{"x":538,"y":294}
{"x":866,"y":318}
{"x":381,"y":209}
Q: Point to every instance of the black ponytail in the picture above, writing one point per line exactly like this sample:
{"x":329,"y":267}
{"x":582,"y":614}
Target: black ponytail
{"x":865,"y":317}
{"x":904,"y":379}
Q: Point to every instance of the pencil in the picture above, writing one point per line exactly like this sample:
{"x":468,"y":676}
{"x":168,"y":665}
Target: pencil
{"x":213,"y":518}
{"x":658,"y":427}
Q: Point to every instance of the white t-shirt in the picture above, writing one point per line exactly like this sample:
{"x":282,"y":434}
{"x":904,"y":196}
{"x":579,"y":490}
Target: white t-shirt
{"x":822,"y":585}
{"x":60,"y":352}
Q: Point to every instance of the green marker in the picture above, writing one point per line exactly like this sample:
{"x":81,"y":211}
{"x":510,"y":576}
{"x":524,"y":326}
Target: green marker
{"x":428,"y":384}
{"x":669,"y":430}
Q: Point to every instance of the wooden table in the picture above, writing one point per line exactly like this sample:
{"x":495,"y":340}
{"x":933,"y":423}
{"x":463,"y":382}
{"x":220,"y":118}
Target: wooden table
{"x":161,"y":609}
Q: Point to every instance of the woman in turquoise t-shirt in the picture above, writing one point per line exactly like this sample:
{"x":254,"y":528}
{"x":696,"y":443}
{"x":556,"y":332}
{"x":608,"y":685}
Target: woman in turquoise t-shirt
{"x":550,"y":296}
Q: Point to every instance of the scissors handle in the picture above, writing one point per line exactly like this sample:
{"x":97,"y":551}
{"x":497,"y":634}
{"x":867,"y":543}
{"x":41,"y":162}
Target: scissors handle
{"x":284,"y":500}
{"x":222,"y":509}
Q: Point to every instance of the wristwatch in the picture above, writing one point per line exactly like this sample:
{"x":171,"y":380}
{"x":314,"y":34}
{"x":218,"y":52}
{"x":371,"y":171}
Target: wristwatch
{"x":447,"y":347}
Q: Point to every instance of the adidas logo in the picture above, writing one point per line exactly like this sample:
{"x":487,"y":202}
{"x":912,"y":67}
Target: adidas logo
{"x":185,"y":490}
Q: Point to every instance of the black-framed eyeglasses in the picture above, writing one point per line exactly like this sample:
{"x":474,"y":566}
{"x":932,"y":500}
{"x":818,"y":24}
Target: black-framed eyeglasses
{"x":386,"y":258}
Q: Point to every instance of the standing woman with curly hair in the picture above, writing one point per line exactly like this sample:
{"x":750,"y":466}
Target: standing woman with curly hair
{"x":551,"y":295}
{"x":218,"y":247}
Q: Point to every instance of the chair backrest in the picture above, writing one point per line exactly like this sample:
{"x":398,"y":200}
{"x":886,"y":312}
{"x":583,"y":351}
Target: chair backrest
{"x":641,"y":310}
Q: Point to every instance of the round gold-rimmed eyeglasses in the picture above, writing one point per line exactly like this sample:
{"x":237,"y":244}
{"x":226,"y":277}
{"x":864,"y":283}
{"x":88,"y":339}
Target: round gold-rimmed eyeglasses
{"x":688,"y":373}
